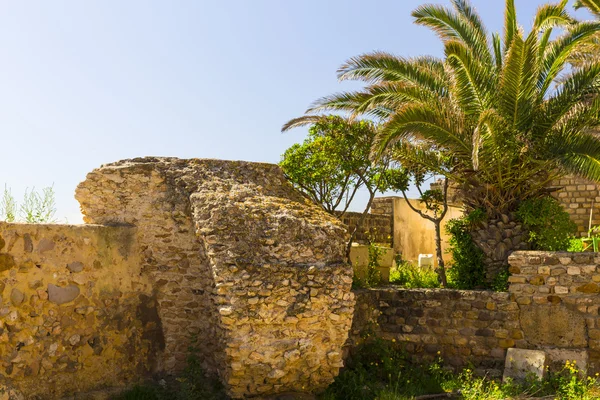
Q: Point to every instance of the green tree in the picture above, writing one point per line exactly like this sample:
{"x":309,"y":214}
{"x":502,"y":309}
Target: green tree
{"x":507,"y":110}
{"x":417,"y":172}
{"x":333,"y":163}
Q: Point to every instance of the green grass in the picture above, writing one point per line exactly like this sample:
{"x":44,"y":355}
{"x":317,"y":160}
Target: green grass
{"x":411,"y":276}
{"x":380,"y":371}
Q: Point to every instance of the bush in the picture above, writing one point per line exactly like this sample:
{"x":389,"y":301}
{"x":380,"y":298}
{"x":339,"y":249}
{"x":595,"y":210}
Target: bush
{"x":467,"y":270}
{"x":549,"y":225}
{"x":411,"y":276}
{"x":373,"y":276}
{"x":380,"y":370}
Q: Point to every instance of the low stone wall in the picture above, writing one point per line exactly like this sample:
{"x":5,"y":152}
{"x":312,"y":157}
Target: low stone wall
{"x":552,"y":305}
{"x":375,"y":228}
{"x":76,"y":313}
{"x":463,"y":327}
{"x":558,"y":297}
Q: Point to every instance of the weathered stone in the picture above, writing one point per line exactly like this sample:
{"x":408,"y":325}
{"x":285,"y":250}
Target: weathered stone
{"x":520,"y":363}
{"x":27,"y":243}
{"x":589,"y":288}
{"x":62,"y":295}
{"x":45,"y":245}
{"x":16,"y":297}
{"x":567,"y":329}
{"x":75,"y":266}
{"x":7,"y":262}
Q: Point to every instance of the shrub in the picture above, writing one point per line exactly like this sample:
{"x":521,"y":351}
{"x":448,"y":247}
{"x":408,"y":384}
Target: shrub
{"x":467,"y":270}
{"x":411,"y":276}
{"x":373,"y":276}
{"x":549,"y":225}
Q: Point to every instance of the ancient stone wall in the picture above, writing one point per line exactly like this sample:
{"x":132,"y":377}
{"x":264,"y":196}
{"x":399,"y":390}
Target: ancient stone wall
{"x":552,"y":305}
{"x":244,"y":266}
{"x":578,"y":196}
{"x":557,"y":294}
{"x":76,"y":313}
{"x":377,"y":228}
{"x":462,"y":327}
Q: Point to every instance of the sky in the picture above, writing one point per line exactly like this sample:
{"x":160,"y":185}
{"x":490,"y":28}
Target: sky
{"x":83,"y":83}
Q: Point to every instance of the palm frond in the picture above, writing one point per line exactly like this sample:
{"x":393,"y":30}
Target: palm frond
{"x":517,"y":90}
{"x":376,"y":67}
{"x":426,"y":122}
{"x":463,"y":25}
{"x":510,"y":24}
{"x":472,"y":80}
{"x":592,"y":5}
{"x":551,"y":15}
{"x":559,"y":51}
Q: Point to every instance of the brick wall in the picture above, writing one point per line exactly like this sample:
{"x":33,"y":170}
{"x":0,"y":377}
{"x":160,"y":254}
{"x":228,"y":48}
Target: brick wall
{"x":552,"y":305}
{"x":577,"y":196}
{"x":463,"y":326}
{"x":375,"y":227}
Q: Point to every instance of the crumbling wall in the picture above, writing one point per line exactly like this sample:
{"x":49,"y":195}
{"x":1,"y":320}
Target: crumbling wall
{"x":239,"y":259}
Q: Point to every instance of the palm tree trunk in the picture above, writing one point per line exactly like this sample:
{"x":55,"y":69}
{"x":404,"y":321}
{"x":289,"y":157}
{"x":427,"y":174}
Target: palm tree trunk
{"x":497,"y":238}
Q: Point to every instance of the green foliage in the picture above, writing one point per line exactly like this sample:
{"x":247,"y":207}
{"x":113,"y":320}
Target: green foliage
{"x":575,"y":245}
{"x":408,"y":275}
{"x":8,"y":208}
{"x":380,"y":370}
{"x":549,"y":225}
{"x":372,"y":275}
{"x":507,"y":110}
{"x":500,"y":283}
{"x":467,"y":270}
{"x":36,"y":207}
{"x":334,"y":161}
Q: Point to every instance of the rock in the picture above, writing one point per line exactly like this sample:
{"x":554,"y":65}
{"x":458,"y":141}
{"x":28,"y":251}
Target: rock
{"x":75,"y":266}
{"x":16,"y":297}
{"x":45,"y":245}
{"x":27,"y":243}
{"x":62,"y":295}
{"x":6,"y":262}
{"x":567,"y":330}
{"x":520,"y":363}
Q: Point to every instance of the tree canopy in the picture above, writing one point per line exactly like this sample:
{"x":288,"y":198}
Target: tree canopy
{"x":506,"y":111}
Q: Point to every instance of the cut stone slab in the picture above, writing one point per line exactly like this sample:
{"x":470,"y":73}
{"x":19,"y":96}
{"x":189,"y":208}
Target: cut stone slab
{"x":558,"y":357}
{"x":520,"y":363}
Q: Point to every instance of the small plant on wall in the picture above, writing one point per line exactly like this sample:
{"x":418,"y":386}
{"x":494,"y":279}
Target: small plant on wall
{"x":37,"y":207}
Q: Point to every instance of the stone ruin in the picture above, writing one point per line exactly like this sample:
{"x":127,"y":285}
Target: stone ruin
{"x":222,"y":257}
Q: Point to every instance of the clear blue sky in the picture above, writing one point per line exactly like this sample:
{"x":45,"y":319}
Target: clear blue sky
{"x":89,"y":82}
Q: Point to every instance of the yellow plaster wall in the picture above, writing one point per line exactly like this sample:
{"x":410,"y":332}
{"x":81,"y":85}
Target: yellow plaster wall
{"x":75,"y":313}
{"x":414,"y":235}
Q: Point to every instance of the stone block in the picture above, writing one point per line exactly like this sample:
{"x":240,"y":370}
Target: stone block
{"x":520,"y":363}
{"x":554,"y":325}
{"x":558,"y":357}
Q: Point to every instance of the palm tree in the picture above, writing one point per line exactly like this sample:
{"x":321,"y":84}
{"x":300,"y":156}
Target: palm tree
{"x":590,"y":50}
{"x":508,"y":112}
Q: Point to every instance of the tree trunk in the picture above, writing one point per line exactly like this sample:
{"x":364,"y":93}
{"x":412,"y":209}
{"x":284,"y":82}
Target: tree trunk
{"x":497,"y":238}
{"x":441,"y":269}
